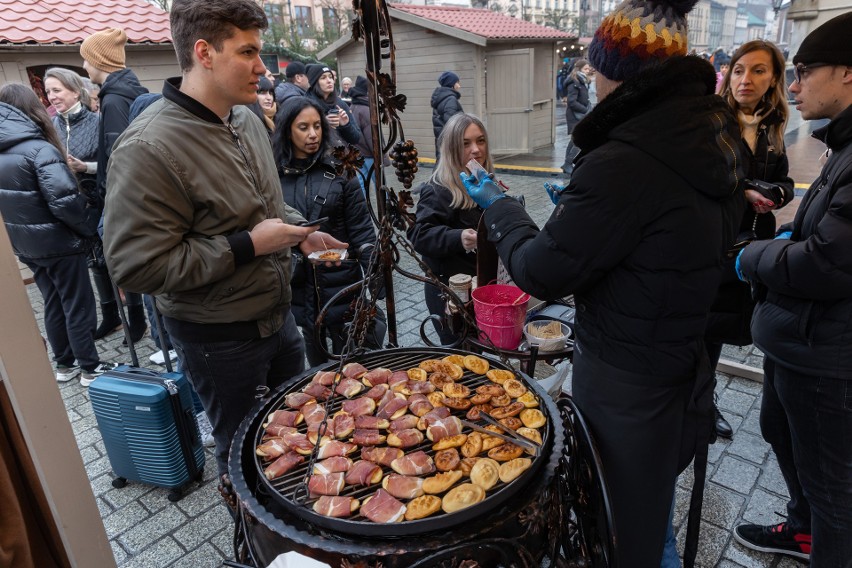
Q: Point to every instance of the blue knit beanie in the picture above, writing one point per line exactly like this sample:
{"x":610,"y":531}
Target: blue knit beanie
{"x":448,"y":79}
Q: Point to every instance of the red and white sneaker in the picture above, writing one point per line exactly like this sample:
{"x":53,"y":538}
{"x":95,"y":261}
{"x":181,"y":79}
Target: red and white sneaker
{"x":776,"y":538}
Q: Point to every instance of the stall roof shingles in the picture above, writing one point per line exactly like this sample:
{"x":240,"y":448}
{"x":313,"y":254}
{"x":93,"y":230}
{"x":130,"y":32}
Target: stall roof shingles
{"x":482,"y":22}
{"x":70,"y":22}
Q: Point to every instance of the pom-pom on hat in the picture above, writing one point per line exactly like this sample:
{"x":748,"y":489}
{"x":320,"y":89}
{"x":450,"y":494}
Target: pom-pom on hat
{"x":639,"y":33}
{"x":104,"y":50}
{"x":448,"y":79}
{"x":829,"y":43}
{"x":314,"y":71}
{"x":294,"y":68}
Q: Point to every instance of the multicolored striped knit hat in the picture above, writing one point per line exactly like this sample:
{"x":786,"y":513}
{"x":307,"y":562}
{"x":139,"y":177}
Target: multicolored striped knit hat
{"x":637,"y":34}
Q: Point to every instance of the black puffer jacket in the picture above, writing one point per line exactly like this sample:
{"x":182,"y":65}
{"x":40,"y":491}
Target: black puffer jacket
{"x":577,"y":93}
{"x":803,"y":318}
{"x":445,"y":103}
{"x":116,"y":95}
{"x":315,"y":190}
{"x":437,"y":231}
{"x":45,"y":214}
{"x":349,"y":134}
{"x":730,"y":316}
{"x":639,"y":235}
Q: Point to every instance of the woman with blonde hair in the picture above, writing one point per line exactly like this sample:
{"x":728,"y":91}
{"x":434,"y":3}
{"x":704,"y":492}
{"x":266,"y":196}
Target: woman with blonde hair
{"x":445,"y":228}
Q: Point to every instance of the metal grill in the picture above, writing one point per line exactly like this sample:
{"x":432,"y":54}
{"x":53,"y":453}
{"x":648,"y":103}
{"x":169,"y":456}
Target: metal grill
{"x":288,"y":491}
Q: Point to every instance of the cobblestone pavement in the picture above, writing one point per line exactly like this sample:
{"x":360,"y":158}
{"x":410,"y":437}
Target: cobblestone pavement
{"x":744,"y":483}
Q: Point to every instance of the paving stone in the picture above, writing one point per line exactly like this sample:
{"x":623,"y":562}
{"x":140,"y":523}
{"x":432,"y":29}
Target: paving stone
{"x":736,"y":402}
{"x":200,"y":500}
{"x":224,"y":543}
{"x":728,"y":564}
{"x":204,"y":526}
{"x":74,"y":416}
{"x":755,"y":361}
{"x":153,"y":528}
{"x":763,"y":508}
{"x":717,"y":449}
{"x":790,"y":562}
{"x":735,"y":353}
{"x":711,"y":543}
{"x":129,"y":493}
{"x":205,"y":556}
{"x":98,"y":467}
{"x":124,"y":518}
{"x":749,"y":447}
{"x":74,"y":400}
{"x":735,"y":474}
{"x":87,"y":437}
{"x":104,"y":508}
{"x":746,"y":385}
{"x":160,"y":554}
{"x":748,"y":558}
{"x":118,"y":553}
{"x":721,"y":507}
{"x":84,"y":423}
{"x":752,"y":422}
{"x":771,"y":478}
{"x":89,"y":454}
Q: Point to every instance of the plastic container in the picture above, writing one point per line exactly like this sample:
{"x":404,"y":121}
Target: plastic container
{"x":500,"y":312}
{"x":461,"y":285}
{"x":548,"y":344}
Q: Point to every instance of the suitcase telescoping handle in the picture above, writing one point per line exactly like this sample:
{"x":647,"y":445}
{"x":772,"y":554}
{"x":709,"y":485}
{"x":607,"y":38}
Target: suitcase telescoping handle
{"x":124,"y":324}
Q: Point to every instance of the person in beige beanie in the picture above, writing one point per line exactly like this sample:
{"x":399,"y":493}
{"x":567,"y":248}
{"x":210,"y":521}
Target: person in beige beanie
{"x":103,"y":60}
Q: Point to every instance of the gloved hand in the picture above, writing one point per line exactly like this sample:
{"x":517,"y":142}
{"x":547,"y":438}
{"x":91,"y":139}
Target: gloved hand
{"x":554,"y":191}
{"x":784,"y":235}
{"x":737,"y":266}
{"x":482,"y":189}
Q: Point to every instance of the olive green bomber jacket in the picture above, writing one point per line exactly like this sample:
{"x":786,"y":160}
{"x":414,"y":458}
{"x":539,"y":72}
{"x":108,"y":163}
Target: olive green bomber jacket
{"x":183,"y":190}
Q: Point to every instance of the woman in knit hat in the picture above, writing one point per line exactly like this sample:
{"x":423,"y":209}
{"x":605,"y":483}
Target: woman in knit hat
{"x":336,"y":111}
{"x":445,"y":104}
{"x":654,"y":202}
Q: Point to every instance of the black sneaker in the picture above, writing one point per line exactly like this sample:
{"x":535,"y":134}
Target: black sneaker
{"x":777,"y":538}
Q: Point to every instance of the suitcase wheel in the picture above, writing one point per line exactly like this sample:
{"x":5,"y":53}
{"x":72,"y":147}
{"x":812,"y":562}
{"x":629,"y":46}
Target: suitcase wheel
{"x":175,"y":496}
{"x":119,"y":482}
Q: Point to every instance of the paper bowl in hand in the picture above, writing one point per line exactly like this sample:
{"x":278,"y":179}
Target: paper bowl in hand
{"x":330,"y":255}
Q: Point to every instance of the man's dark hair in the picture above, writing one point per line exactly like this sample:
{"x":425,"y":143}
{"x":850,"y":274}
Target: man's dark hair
{"x":210,"y":20}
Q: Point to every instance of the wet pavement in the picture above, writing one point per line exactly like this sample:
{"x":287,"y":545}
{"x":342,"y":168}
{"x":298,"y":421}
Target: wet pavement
{"x":744,"y":483}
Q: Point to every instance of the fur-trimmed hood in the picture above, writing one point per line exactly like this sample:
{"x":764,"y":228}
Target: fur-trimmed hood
{"x":670,"y":112}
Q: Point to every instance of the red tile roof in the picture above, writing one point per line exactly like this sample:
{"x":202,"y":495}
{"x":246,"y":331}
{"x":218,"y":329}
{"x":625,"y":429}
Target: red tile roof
{"x":70,"y":21}
{"x":482,"y":22}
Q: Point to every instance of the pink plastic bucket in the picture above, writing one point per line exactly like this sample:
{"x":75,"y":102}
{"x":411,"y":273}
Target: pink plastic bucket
{"x":500,"y":313}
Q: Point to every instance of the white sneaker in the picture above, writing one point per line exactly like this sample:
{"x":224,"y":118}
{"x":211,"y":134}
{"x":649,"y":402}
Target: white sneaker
{"x":65,"y":373}
{"x":158,"y":359}
{"x":87,"y":378}
{"x":205,"y":429}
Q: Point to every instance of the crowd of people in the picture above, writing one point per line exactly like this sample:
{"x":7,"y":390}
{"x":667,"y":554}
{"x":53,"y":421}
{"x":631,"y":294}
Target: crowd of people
{"x":674,"y":167}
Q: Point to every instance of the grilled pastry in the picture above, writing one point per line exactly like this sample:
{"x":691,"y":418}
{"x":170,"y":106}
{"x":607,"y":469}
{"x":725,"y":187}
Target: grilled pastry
{"x":450,"y":442}
{"x":453,"y":370}
{"x":505,"y":452}
{"x":493,"y":390}
{"x":480,"y":399}
{"x":512,"y":410}
{"x":513,"y":468}
{"x":466,"y":465}
{"x":533,"y":418}
{"x":436,"y":398}
{"x":457,"y":403}
{"x":440,"y":482}
{"x":529,"y":400}
{"x":514,"y":388}
{"x":422,"y":507}
{"x":429,"y":365}
{"x":417,"y":374}
{"x":512,"y":422}
{"x":456,"y":390}
{"x":447,"y":460}
{"x":485,"y":473}
{"x":476,"y":364}
{"x":461,"y":497}
{"x":502,"y":400}
{"x":440,"y":379}
{"x":499,"y":376}
{"x":455,"y":360}
{"x":489,"y":442}
{"x":473,"y":445}
{"x":530,"y":434}
{"x":473,"y":413}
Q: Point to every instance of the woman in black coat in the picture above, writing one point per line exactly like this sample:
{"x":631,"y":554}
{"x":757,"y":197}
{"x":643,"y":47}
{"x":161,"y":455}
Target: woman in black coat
{"x":310,"y":184}
{"x":576,"y":90}
{"x":342,"y":127}
{"x":754,"y":88}
{"x":49,"y":222}
{"x":445,"y":228}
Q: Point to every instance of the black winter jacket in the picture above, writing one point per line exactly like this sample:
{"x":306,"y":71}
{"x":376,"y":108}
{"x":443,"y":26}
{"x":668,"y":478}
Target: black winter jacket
{"x":349,"y":134}
{"x":286,"y":90}
{"x":436,"y":233}
{"x":803,"y":318}
{"x":577,"y":92}
{"x":639,"y":234}
{"x":117,"y":93}
{"x":315,"y":190}
{"x":45,"y":214}
{"x":445,"y":103}
{"x":79,"y":135}
{"x":730,"y":316}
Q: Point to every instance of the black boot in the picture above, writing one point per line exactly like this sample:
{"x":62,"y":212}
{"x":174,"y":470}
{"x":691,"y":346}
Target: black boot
{"x":136,"y":321}
{"x":110,"y":322}
{"x":723,"y":428}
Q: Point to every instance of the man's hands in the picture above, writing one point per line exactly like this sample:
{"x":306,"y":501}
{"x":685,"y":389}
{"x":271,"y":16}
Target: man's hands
{"x":554,"y":191}
{"x":272,"y":235}
{"x":468,"y":239}
{"x":319,"y":241}
{"x":482,"y":188}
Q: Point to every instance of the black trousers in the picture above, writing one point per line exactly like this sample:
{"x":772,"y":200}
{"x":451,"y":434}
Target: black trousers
{"x":70,"y":316}
{"x":437,"y":307}
{"x":646,"y":429}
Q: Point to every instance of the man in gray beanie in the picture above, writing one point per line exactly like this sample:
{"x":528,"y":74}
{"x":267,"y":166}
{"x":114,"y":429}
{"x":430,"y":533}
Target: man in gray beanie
{"x":803,"y":319}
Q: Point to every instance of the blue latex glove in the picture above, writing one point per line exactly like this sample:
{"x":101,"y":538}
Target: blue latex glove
{"x":482,"y":190}
{"x":737,"y":266}
{"x":554,"y":191}
{"x":784,"y":235}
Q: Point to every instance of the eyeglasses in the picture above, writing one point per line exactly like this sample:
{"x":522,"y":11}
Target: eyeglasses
{"x":800,"y":71}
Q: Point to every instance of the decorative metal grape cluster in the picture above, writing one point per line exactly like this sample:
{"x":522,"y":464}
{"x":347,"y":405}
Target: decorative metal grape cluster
{"x":403,"y":157}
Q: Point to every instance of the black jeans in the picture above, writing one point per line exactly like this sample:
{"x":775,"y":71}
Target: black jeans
{"x":70,"y":316}
{"x":225,"y":375}
{"x":808,"y":422}
{"x":437,"y":307}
